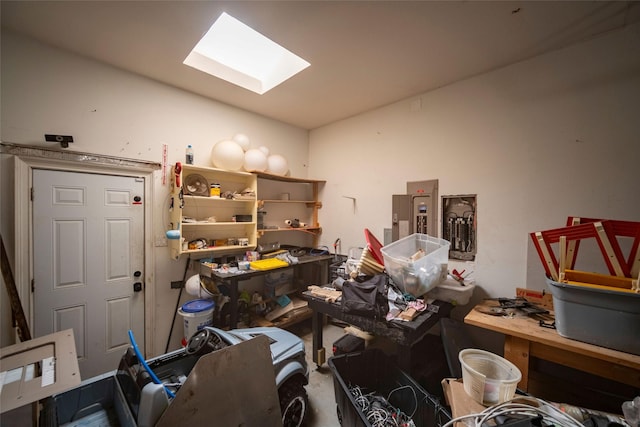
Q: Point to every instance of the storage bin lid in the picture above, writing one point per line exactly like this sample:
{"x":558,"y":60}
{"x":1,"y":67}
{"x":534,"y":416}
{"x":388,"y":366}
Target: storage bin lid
{"x":197,"y":305}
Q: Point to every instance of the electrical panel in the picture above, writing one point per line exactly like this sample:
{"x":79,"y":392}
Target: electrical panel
{"x":416,"y":211}
{"x":421,"y":213}
{"x":459,"y":226}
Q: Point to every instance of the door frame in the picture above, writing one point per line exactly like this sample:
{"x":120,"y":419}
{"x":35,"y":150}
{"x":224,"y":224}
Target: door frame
{"x":23,"y":211}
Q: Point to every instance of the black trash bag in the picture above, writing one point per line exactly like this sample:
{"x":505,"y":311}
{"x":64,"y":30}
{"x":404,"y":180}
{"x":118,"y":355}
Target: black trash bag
{"x":367,"y":298}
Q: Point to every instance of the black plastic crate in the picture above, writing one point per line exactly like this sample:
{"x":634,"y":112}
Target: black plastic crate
{"x":374,"y":372}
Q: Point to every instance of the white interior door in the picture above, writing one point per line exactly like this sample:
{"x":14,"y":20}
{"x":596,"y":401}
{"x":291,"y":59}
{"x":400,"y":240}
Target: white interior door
{"x":88,"y":240}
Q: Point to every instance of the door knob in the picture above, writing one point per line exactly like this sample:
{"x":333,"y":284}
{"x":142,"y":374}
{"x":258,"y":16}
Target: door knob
{"x":137,"y":287}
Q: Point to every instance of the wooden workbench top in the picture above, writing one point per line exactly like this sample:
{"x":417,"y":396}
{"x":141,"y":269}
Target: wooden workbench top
{"x":527,"y":328}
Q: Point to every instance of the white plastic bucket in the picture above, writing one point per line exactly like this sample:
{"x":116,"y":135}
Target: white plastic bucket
{"x":488,"y":378}
{"x":197,"y":314}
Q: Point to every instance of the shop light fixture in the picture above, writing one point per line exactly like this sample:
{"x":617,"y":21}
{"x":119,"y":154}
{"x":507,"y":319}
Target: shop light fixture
{"x":235,"y":52}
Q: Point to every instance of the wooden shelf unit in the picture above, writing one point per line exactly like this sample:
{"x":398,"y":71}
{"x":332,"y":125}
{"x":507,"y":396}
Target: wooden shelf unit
{"x":301,"y":192}
{"x":221,"y":226}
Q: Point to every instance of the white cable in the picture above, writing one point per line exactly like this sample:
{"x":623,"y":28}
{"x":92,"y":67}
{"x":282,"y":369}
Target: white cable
{"x":461,"y":418}
{"x":511,"y":407}
{"x":378,"y":411}
{"x":415,"y":397}
{"x":547,"y":411}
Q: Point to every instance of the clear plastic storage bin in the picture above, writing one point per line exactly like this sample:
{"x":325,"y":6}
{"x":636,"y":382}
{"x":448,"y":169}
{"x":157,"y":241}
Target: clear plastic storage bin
{"x":429,"y":268}
{"x":451,"y":291}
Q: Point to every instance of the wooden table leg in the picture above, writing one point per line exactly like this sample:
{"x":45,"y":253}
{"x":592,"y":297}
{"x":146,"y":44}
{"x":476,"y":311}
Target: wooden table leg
{"x":233,"y":303}
{"x":516,"y":350}
{"x":317,"y":323}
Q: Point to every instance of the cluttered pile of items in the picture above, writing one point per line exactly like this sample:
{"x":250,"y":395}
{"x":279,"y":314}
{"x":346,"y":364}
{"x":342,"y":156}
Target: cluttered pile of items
{"x":272,"y":303}
{"x":395,"y":282}
{"x":585,"y":305}
{"x":597,"y":308}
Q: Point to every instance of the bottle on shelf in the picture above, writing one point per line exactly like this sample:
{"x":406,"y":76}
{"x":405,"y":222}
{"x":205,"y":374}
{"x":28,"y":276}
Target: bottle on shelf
{"x":189,"y":155}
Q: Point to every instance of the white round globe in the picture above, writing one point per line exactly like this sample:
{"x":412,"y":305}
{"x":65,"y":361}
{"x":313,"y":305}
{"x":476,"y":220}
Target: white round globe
{"x":277,"y":164}
{"x":228,"y":155}
{"x":255,"y":160}
{"x":242,"y":140}
{"x":264,"y":149}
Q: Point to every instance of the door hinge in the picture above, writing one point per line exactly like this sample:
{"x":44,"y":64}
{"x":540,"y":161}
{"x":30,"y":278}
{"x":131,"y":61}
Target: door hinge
{"x":33,"y":285}
{"x":31,"y":195}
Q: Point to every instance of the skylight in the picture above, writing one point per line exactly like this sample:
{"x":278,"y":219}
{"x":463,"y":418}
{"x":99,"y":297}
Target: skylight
{"x":237,"y":53}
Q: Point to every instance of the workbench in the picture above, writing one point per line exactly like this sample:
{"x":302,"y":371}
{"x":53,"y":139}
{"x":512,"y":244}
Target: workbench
{"x":404,"y":334}
{"x":526,"y":339}
{"x":319,"y":265}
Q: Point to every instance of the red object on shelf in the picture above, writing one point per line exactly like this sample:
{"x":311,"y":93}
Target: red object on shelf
{"x":374,"y":246}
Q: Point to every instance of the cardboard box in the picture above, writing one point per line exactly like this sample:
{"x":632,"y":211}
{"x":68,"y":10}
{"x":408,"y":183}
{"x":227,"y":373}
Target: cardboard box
{"x":459,"y":401}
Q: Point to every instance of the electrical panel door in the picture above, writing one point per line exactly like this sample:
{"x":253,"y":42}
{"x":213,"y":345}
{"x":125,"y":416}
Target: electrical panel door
{"x":459,"y":226}
{"x":401,"y":216}
{"x":416,"y":211}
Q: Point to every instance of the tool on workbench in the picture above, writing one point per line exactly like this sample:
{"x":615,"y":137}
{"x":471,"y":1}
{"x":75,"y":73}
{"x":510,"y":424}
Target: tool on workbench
{"x":518,"y":303}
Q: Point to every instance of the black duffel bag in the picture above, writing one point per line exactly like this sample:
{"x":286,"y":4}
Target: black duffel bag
{"x":367,"y":297}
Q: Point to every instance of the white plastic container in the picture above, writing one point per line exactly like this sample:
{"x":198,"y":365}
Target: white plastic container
{"x":420,"y":276}
{"x":488,"y":378}
{"x":451,"y":291}
{"x":197,"y":314}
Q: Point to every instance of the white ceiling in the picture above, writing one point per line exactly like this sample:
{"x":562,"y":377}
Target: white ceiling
{"x":363,"y":54}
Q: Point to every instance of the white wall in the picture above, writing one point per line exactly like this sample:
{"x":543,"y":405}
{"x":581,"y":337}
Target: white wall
{"x":538,"y":141}
{"x":112,"y":112}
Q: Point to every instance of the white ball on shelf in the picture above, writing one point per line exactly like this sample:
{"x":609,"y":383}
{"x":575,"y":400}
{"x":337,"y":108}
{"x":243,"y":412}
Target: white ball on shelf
{"x":255,"y":160}
{"x":227,"y":154}
{"x":277,"y":164}
{"x":265,"y":150}
{"x":242,"y":140}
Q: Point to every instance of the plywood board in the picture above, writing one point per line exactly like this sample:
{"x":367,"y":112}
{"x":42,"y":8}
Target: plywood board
{"x":38,"y":368}
{"x":234,"y":386}
{"x":460,"y":402}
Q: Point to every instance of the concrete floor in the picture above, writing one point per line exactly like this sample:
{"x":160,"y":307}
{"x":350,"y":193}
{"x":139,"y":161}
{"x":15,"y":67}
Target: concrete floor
{"x":322,"y":403}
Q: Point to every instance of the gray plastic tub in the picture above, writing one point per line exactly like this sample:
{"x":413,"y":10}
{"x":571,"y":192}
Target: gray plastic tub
{"x":96,"y":402}
{"x":597,"y":316}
